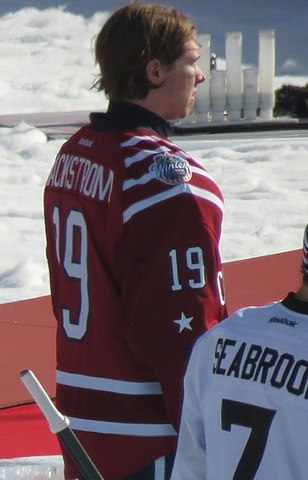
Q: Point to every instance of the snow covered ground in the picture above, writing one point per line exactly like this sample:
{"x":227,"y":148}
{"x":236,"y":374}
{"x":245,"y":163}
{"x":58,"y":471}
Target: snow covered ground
{"x":32,"y":468}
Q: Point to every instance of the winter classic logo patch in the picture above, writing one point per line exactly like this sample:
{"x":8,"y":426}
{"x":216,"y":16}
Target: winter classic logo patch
{"x":170,"y":169}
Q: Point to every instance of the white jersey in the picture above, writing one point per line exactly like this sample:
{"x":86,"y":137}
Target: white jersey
{"x":245,"y":413}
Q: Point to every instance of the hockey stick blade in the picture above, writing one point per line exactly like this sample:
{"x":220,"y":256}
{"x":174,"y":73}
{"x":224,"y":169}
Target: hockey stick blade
{"x":59,"y":424}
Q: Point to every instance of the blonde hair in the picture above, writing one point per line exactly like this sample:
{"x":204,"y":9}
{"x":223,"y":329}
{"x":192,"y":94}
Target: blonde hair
{"x":131,"y":37}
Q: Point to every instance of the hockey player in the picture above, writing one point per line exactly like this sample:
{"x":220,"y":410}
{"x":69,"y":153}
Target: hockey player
{"x":245,"y":412}
{"x":133,"y":226}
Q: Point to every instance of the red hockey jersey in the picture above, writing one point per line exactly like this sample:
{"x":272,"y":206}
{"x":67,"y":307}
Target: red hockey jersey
{"x":133,"y":227}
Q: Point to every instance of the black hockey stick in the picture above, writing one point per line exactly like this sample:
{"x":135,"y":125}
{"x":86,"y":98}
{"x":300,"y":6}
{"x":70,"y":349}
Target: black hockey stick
{"x":59,"y":424}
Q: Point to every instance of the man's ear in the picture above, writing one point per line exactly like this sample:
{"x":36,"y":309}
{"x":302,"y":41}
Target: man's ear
{"x":155,"y":72}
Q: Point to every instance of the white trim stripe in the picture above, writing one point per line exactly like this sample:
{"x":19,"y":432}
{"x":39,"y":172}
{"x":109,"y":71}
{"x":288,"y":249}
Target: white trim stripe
{"x":131,"y":142}
{"x":204,"y":173}
{"x":173,"y":192}
{"x":206,"y":195}
{"x":117,"y":428}
{"x":159,"y":466}
{"x":137,"y":138}
{"x":142,"y":154}
{"x":108,"y":384}
{"x":133,"y":182}
{"x":149,"y":202}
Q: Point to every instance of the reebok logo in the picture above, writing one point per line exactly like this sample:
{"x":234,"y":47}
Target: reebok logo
{"x":85,"y":142}
{"x":283,"y":321}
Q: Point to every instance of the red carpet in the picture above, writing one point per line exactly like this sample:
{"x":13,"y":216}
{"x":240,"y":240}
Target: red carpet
{"x":25,"y":433}
{"x":27,"y":340}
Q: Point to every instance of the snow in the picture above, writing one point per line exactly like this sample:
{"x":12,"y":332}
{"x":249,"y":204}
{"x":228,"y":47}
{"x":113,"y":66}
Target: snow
{"x":47,"y":66}
{"x":32,"y":468}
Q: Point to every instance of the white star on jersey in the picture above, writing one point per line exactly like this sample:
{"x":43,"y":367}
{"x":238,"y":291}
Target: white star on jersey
{"x":184,"y":322}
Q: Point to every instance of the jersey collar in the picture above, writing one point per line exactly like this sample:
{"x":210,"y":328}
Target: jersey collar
{"x":126,"y":116}
{"x":292,"y":303}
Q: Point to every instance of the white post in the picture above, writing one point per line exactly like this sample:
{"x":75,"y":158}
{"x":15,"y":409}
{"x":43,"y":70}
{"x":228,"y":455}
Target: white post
{"x":234,"y":74}
{"x":202,"y":105}
{"x":266,"y":73}
{"x":218,"y":95}
{"x":250,"y":93}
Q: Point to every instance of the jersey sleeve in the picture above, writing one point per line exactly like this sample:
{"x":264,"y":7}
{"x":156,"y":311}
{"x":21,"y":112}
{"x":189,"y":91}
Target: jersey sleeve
{"x":168,"y":263}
